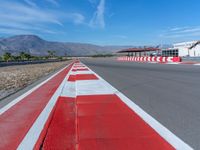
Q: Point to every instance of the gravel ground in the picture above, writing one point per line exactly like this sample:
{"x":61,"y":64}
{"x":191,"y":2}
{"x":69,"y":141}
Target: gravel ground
{"x":14,"y":78}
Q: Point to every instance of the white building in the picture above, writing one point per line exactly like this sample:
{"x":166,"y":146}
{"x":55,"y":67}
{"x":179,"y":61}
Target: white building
{"x":191,"y":48}
{"x":183,"y":49}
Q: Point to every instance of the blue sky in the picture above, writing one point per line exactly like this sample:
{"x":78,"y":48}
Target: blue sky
{"x":104,"y":22}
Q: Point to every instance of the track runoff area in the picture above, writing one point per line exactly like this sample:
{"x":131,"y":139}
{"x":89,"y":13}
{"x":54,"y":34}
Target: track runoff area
{"x":77,"y":109}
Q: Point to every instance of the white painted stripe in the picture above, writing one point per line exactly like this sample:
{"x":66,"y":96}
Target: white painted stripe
{"x":15,"y":101}
{"x":169,"y":59}
{"x":173,"y":63}
{"x":84,"y":72}
{"x":171,"y":138}
{"x":69,"y":89}
{"x":151,"y":62}
{"x":158,"y":59}
{"x":93,"y":87}
{"x":197,"y":64}
{"x":153,"y":58}
{"x":163,"y":59}
{"x":33,"y":134}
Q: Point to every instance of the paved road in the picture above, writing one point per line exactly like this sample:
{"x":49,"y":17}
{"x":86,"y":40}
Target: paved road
{"x":170,"y":93}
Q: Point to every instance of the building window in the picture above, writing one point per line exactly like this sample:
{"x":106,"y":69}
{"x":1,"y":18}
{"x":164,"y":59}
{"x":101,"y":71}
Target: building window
{"x":170,"y":53}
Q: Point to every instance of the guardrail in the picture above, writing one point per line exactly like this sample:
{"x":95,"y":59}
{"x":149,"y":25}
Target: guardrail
{"x":158,"y":59}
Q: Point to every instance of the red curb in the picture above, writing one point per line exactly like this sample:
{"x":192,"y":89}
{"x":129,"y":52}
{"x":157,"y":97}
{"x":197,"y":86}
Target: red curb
{"x":82,"y":77}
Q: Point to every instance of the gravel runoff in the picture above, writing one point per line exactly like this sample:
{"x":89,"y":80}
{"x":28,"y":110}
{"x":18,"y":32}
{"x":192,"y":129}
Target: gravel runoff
{"x":14,"y":78}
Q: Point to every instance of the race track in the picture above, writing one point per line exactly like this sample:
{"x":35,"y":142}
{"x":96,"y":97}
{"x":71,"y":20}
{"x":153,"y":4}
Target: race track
{"x":169,"y":93}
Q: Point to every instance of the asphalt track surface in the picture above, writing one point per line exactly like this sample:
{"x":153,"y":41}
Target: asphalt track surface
{"x":169,"y":93}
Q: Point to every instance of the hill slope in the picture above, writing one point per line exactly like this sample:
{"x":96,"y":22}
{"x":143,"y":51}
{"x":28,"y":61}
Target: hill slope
{"x":36,"y":46}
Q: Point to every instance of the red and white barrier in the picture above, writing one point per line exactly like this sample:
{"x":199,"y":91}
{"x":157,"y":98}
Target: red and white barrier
{"x":77,"y":109}
{"x":158,"y":59}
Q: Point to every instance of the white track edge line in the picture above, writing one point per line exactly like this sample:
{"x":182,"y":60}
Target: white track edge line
{"x":34,"y":132}
{"x":72,"y":82}
{"x":198,"y":64}
{"x":171,"y":138}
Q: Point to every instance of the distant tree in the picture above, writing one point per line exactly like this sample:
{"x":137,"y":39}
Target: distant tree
{"x":16,"y":58}
{"x":25,"y":56}
{"x":51,"y":54}
{"x":46,"y":57}
{"x":22,"y":55}
{"x":7,"y":56}
{"x":35,"y":58}
{"x":28,"y":56}
{"x":60,"y":58}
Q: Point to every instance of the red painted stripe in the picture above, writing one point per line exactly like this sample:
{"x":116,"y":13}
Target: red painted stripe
{"x":15,"y":122}
{"x":80,"y":69}
{"x":61,"y":132}
{"x":79,"y":66}
{"x":77,"y":62}
{"x":176,"y":59}
{"x":82,"y":77}
{"x":72,"y":78}
{"x":165,"y":59}
{"x":160,"y":59}
{"x":105,"y":122}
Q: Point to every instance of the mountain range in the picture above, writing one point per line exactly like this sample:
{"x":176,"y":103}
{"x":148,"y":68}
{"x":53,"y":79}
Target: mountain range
{"x":35,"y":45}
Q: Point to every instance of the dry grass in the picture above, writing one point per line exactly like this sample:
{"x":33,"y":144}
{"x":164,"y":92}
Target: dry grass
{"x":13,"y":78}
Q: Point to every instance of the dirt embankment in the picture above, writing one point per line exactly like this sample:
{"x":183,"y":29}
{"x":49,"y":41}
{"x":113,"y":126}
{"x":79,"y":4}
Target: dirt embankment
{"x":13,"y":78}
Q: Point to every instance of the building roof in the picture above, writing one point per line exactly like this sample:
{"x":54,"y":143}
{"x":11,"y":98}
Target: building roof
{"x":194,"y":45}
{"x":185,"y":44}
{"x":145,"y":49}
{"x":168,"y":49}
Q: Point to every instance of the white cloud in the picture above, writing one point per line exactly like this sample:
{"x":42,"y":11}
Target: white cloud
{"x":98,"y":16}
{"x":18,"y":12}
{"x":177,"y":28}
{"x":179,"y":32}
{"x":189,"y":30}
{"x":76,"y":18}
{"x":29,"y":16}
{"x":22,"y":18}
